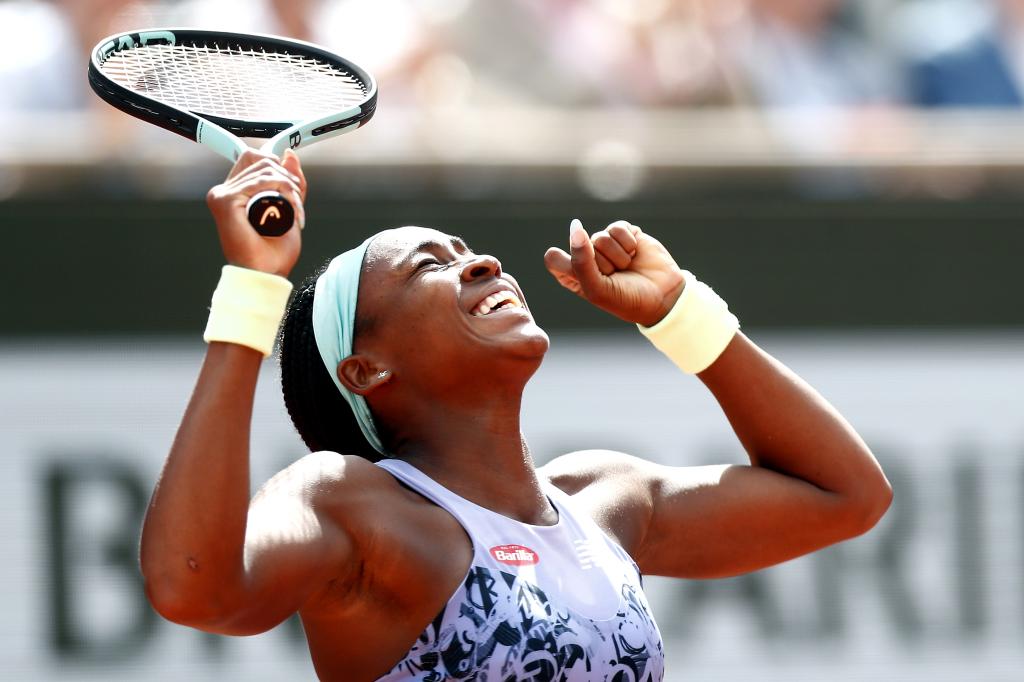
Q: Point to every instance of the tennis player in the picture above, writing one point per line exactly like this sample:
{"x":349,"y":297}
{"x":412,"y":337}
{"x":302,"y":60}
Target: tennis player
{"x":419,"y":541}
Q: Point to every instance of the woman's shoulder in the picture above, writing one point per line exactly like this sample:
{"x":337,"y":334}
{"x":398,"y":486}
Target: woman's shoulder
{"x":575,"y":472}
{"x":328,"y":479}
{"x":358,"y":497}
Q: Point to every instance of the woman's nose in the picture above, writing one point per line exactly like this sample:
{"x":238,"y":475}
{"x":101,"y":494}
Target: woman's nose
{"x":481,"y":266}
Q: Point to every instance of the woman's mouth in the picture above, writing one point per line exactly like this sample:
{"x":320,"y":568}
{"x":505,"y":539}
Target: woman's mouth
{"x":500,"y":300}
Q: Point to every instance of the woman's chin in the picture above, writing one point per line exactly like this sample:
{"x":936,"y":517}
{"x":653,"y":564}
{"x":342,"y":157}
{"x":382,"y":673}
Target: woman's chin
{"x":533,"y":342}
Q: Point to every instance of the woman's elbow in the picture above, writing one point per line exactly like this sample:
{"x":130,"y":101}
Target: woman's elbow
{"x":170,"y":605}
{"x":173,"y":605}
{"x":179,"y":604}
{"x":868,"y":505}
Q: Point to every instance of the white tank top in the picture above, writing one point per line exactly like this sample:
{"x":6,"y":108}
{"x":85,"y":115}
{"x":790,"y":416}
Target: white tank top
{"x":561,"y":602}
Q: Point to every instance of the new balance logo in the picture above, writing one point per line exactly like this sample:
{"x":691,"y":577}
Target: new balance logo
{"x":515,"y":555}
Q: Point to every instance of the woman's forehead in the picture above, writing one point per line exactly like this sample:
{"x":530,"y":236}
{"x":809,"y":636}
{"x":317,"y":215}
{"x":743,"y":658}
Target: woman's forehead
{"x":397,"y":244}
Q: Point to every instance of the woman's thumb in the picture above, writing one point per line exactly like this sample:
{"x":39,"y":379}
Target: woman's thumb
{"x":584,"y":264}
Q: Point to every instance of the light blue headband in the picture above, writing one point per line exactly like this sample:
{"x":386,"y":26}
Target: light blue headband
{"x":334,"y":321}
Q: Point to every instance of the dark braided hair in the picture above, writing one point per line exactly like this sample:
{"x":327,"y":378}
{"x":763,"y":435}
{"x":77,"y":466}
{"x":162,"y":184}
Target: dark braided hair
{"x":320,"y":414}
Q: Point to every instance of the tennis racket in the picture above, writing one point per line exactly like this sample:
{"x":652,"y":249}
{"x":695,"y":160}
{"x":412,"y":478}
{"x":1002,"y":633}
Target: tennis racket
{"x":215,"y":88}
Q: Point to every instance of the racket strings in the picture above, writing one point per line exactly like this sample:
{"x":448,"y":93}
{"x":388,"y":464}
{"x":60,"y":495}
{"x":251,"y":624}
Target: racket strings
{"x":234,"y":83}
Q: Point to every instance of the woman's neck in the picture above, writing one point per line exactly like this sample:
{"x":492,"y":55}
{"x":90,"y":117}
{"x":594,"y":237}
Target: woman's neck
{"x":482,"y":456}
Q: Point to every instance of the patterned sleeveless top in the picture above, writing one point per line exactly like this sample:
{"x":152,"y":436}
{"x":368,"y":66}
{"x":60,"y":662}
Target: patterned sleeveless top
{"x":562,"y":603}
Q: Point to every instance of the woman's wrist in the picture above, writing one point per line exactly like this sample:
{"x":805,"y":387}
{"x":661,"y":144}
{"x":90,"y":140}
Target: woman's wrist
{"x":696,"y":330}
{"x":667,"y":304}
{"x":247,"y":308}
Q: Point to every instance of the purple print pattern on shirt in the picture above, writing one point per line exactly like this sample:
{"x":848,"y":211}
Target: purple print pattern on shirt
{"x":508,"y":631}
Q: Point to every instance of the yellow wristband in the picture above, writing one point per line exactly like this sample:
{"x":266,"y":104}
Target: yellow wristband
{"x":247,"y":308}
{"x":697,"y":329}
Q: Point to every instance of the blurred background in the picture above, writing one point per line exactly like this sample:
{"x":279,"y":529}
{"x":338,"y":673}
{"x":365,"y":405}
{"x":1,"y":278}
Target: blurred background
{"x":847,"y":175}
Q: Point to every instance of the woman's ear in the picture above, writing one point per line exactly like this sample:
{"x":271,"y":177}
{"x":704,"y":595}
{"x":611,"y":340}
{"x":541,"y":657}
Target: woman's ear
{"x":360,"y":375}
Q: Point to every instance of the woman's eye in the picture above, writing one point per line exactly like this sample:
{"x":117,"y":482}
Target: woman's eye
{"x":432,"y":262}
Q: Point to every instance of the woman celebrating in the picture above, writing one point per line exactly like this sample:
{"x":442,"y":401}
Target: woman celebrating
{"x":418,"y":541}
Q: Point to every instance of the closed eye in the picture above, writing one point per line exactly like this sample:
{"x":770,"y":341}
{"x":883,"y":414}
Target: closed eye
{"x":429,"y":262}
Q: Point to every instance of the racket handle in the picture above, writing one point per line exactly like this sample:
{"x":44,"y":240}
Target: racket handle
{"x":270,"y":214}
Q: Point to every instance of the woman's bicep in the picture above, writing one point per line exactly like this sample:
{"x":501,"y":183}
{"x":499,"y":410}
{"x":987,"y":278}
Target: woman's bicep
{"x":294,"y":549}
{"x":293,"y":553}
{"x":718,"y":521}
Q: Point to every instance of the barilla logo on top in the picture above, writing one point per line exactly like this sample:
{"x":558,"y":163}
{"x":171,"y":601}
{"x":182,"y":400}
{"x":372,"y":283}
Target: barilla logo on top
{"x":515,"y":555}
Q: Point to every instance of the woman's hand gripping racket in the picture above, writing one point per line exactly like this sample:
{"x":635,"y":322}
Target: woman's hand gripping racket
{"x":215,"y":88}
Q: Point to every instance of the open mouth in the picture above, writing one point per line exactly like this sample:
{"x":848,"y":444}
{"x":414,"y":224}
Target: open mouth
{"x":500,"y":300}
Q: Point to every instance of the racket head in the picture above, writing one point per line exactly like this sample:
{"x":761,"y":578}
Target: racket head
{"x":252,"y":85}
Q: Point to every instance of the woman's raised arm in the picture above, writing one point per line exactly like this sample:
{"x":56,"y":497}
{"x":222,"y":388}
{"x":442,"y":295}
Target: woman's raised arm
{"x":209,"y":558}
{"x":811,"y":481}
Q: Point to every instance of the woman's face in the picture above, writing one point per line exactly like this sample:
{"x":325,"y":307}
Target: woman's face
{"x":441,"y":314}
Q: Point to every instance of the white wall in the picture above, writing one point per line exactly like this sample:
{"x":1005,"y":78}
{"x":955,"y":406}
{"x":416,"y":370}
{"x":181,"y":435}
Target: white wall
{"x":936,"y":592}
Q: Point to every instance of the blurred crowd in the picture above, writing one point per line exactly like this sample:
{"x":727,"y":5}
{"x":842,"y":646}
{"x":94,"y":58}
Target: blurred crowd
{"x":791,"y":54}
{"x":641,"y":83}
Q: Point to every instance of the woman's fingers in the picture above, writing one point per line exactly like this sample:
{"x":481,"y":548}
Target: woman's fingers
{"x":264,"y":166}
{"x":591,"y":258}
{"x":559,"y":264}
{"x":290,"y":162}
{"x":585,"y":266}
{"x":266,"y":180}
{"x":232,"y":196}
{"x":249,"y":158}
{"x":612,"y":250}
{"x":603,"y":264}
{"x":626,"y":234}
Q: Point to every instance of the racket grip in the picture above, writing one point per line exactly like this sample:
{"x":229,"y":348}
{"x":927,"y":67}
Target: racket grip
{"x":270,"y":214}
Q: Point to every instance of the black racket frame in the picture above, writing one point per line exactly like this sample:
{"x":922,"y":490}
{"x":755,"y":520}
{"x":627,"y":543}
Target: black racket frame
{"x":186,"y":123}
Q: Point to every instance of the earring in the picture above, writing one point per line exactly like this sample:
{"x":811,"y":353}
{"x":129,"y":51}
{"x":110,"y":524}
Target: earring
{"x":383,"y":374}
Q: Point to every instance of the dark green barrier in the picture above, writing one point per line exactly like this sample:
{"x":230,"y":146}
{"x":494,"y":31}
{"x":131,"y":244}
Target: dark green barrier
{"x":140,"y":267}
